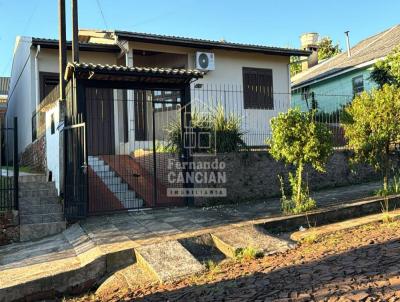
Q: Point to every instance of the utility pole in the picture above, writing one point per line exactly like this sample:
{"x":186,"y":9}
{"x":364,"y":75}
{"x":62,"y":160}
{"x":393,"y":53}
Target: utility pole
{"x":62,"y":48}
{"x":75,"y":41}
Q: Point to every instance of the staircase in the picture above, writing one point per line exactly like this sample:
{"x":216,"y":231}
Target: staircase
{"x":40,"y":210}
{"x":115,"y":183}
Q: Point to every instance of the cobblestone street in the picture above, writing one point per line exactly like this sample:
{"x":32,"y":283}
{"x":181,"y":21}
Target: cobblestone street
{"x":361,"y":264}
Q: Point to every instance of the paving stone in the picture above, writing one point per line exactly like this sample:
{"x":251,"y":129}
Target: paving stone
{"x":167,"y":261}
{"x":231,"y":241}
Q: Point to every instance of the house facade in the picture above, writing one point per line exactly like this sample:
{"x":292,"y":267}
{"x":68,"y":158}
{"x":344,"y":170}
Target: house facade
{"x":125,"y":125}
{"x":334,"y":82}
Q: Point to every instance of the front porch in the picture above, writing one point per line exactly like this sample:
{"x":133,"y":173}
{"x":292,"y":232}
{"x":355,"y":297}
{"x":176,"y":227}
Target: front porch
{"x":116,"y":136}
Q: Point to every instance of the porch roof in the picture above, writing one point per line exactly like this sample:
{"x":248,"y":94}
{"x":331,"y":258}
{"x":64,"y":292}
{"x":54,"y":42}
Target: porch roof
{"x":145,"y":75}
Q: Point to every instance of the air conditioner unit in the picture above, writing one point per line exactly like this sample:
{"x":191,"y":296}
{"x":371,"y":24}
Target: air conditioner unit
{"x":205,"y":61}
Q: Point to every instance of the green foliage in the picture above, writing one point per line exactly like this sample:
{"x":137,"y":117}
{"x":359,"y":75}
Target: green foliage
{"x":387,"y":71}
{"x":212,"y":266}
{"x":248,"y":254}
{"x":371,"y":127}
{"x":298,"y":139}
{"x":295,"y":65}
{"x":289,"y":205}
{"x":326,"y":49}
{"x":226,"y":133}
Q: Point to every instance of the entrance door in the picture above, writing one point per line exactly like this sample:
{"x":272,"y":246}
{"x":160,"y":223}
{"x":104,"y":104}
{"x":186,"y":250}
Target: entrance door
{"x":100,"y":121}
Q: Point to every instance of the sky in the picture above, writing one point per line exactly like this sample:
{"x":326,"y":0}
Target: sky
{"x":265,"y":22}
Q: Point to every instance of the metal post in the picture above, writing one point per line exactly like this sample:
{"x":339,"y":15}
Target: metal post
{"x":154,"y":151}
{"x":62,"y":48}
{"x":75,"y":41}
{"x":186,"y":156}
{"x":15,"y":162}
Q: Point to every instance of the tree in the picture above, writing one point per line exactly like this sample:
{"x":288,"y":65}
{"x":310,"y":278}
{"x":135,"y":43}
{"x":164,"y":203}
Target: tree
{"x":326,"y":49}
{"x":299,"y":140}
{"x":295,"y":65}
{"x":387,"y":71}
{"x":371,"y":126}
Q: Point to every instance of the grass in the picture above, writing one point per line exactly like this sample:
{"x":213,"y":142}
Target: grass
{"x":248,"y":254}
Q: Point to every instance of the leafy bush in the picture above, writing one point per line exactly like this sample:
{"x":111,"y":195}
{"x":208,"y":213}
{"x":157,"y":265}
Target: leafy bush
{"x":225,"y":132}
{"x":298,"y":139}
{"x":372,"y":126}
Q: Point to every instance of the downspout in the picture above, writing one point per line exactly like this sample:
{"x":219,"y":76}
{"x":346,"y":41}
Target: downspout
{"x":37,"y":75}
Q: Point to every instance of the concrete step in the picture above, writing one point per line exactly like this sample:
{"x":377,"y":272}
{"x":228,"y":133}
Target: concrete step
{"x":233,"y":241}
{"x":125,"y":195}
{"x":25,"y":202}
{"x":100,"y":168}
{"x":38,"y":193}
{"x":36,"y":178}
{"x":167,"y":261}
{"x":26,"y":186}
{"x":121,"y":187}
{"x":111,"y":180}
{"x":40,"y":230}
{"x":133,"y":203}
{"x":27,"y":209}
{"x":106,"y":174}
{"x":41,"y":218}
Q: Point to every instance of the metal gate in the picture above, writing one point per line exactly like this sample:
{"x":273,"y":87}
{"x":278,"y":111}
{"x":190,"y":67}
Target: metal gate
{"x":129,"y":136}
{"x":9,"y":167}
{"x":75,"y":187}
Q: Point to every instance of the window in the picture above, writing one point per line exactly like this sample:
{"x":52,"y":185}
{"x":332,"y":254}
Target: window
{"x":52,"y":126}
{"x":48,"y":81}
{"x":358,"y":85}
{"x":257,"y":88}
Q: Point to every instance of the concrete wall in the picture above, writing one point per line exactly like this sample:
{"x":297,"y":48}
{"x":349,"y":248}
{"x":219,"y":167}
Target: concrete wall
{"x":53,"y":145}
{"x":334,"y":92}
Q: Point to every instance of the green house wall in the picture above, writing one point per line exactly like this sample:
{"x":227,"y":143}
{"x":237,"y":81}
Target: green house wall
{"x":331,"y":94}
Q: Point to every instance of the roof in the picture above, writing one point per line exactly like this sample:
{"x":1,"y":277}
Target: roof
{"x":207,"y":44}
{"x":362,"y":54}
{"x":4,"y":84}
{"x":53,"y":44}
{"x":131,"y":74}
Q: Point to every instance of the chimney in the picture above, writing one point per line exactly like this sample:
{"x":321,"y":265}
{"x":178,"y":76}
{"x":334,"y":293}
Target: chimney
{"x":309,"y":41}
{"x":348,"y":43}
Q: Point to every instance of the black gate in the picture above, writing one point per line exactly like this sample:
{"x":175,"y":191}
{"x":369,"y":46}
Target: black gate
{"x":9,"y":167}
{"x":75,"y":188}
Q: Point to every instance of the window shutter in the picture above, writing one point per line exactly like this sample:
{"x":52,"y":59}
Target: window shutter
{"x":257,"y":88}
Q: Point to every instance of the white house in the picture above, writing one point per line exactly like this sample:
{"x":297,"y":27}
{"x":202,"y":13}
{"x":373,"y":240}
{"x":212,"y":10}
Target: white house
{"x":250,"y":81}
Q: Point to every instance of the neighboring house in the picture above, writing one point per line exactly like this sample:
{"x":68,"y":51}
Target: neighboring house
{"x":4,"y":83}
{"x":121,"y":139}
{"x":334,"y":82}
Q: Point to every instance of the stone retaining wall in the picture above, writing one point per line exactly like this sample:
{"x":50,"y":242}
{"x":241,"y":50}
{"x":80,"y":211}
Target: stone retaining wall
{"x":254,"y":175}
{"x":9,"y":228}
{"x":34,"y":155}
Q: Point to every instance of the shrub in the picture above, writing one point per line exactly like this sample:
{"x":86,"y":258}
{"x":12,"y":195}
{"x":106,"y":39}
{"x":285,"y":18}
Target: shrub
{"x":298,"y":139}
{"x":226,"y":134}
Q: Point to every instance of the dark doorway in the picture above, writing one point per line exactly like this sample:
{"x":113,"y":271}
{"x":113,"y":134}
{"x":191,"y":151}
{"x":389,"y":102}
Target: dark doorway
{"x":140,"y":115}
{"x":100,"y":121}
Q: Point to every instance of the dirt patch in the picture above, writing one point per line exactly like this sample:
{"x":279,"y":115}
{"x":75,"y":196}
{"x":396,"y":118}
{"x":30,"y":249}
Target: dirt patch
{"x":360,"y":264}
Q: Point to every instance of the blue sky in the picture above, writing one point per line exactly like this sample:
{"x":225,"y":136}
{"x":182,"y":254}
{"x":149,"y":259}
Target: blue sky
{"x":268,"y":22}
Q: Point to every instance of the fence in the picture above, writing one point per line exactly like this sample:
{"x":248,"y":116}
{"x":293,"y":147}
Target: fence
{"x":128,"y":151}
{"x":9,"y":168}
{"x":254,"y":116}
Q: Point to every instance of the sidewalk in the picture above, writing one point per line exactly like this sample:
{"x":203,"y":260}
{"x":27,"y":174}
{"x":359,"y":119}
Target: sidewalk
{"x":88,"y":250}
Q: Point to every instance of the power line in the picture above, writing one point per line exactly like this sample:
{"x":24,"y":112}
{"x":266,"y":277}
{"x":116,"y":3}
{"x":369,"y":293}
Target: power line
{"x":102,"y":14}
